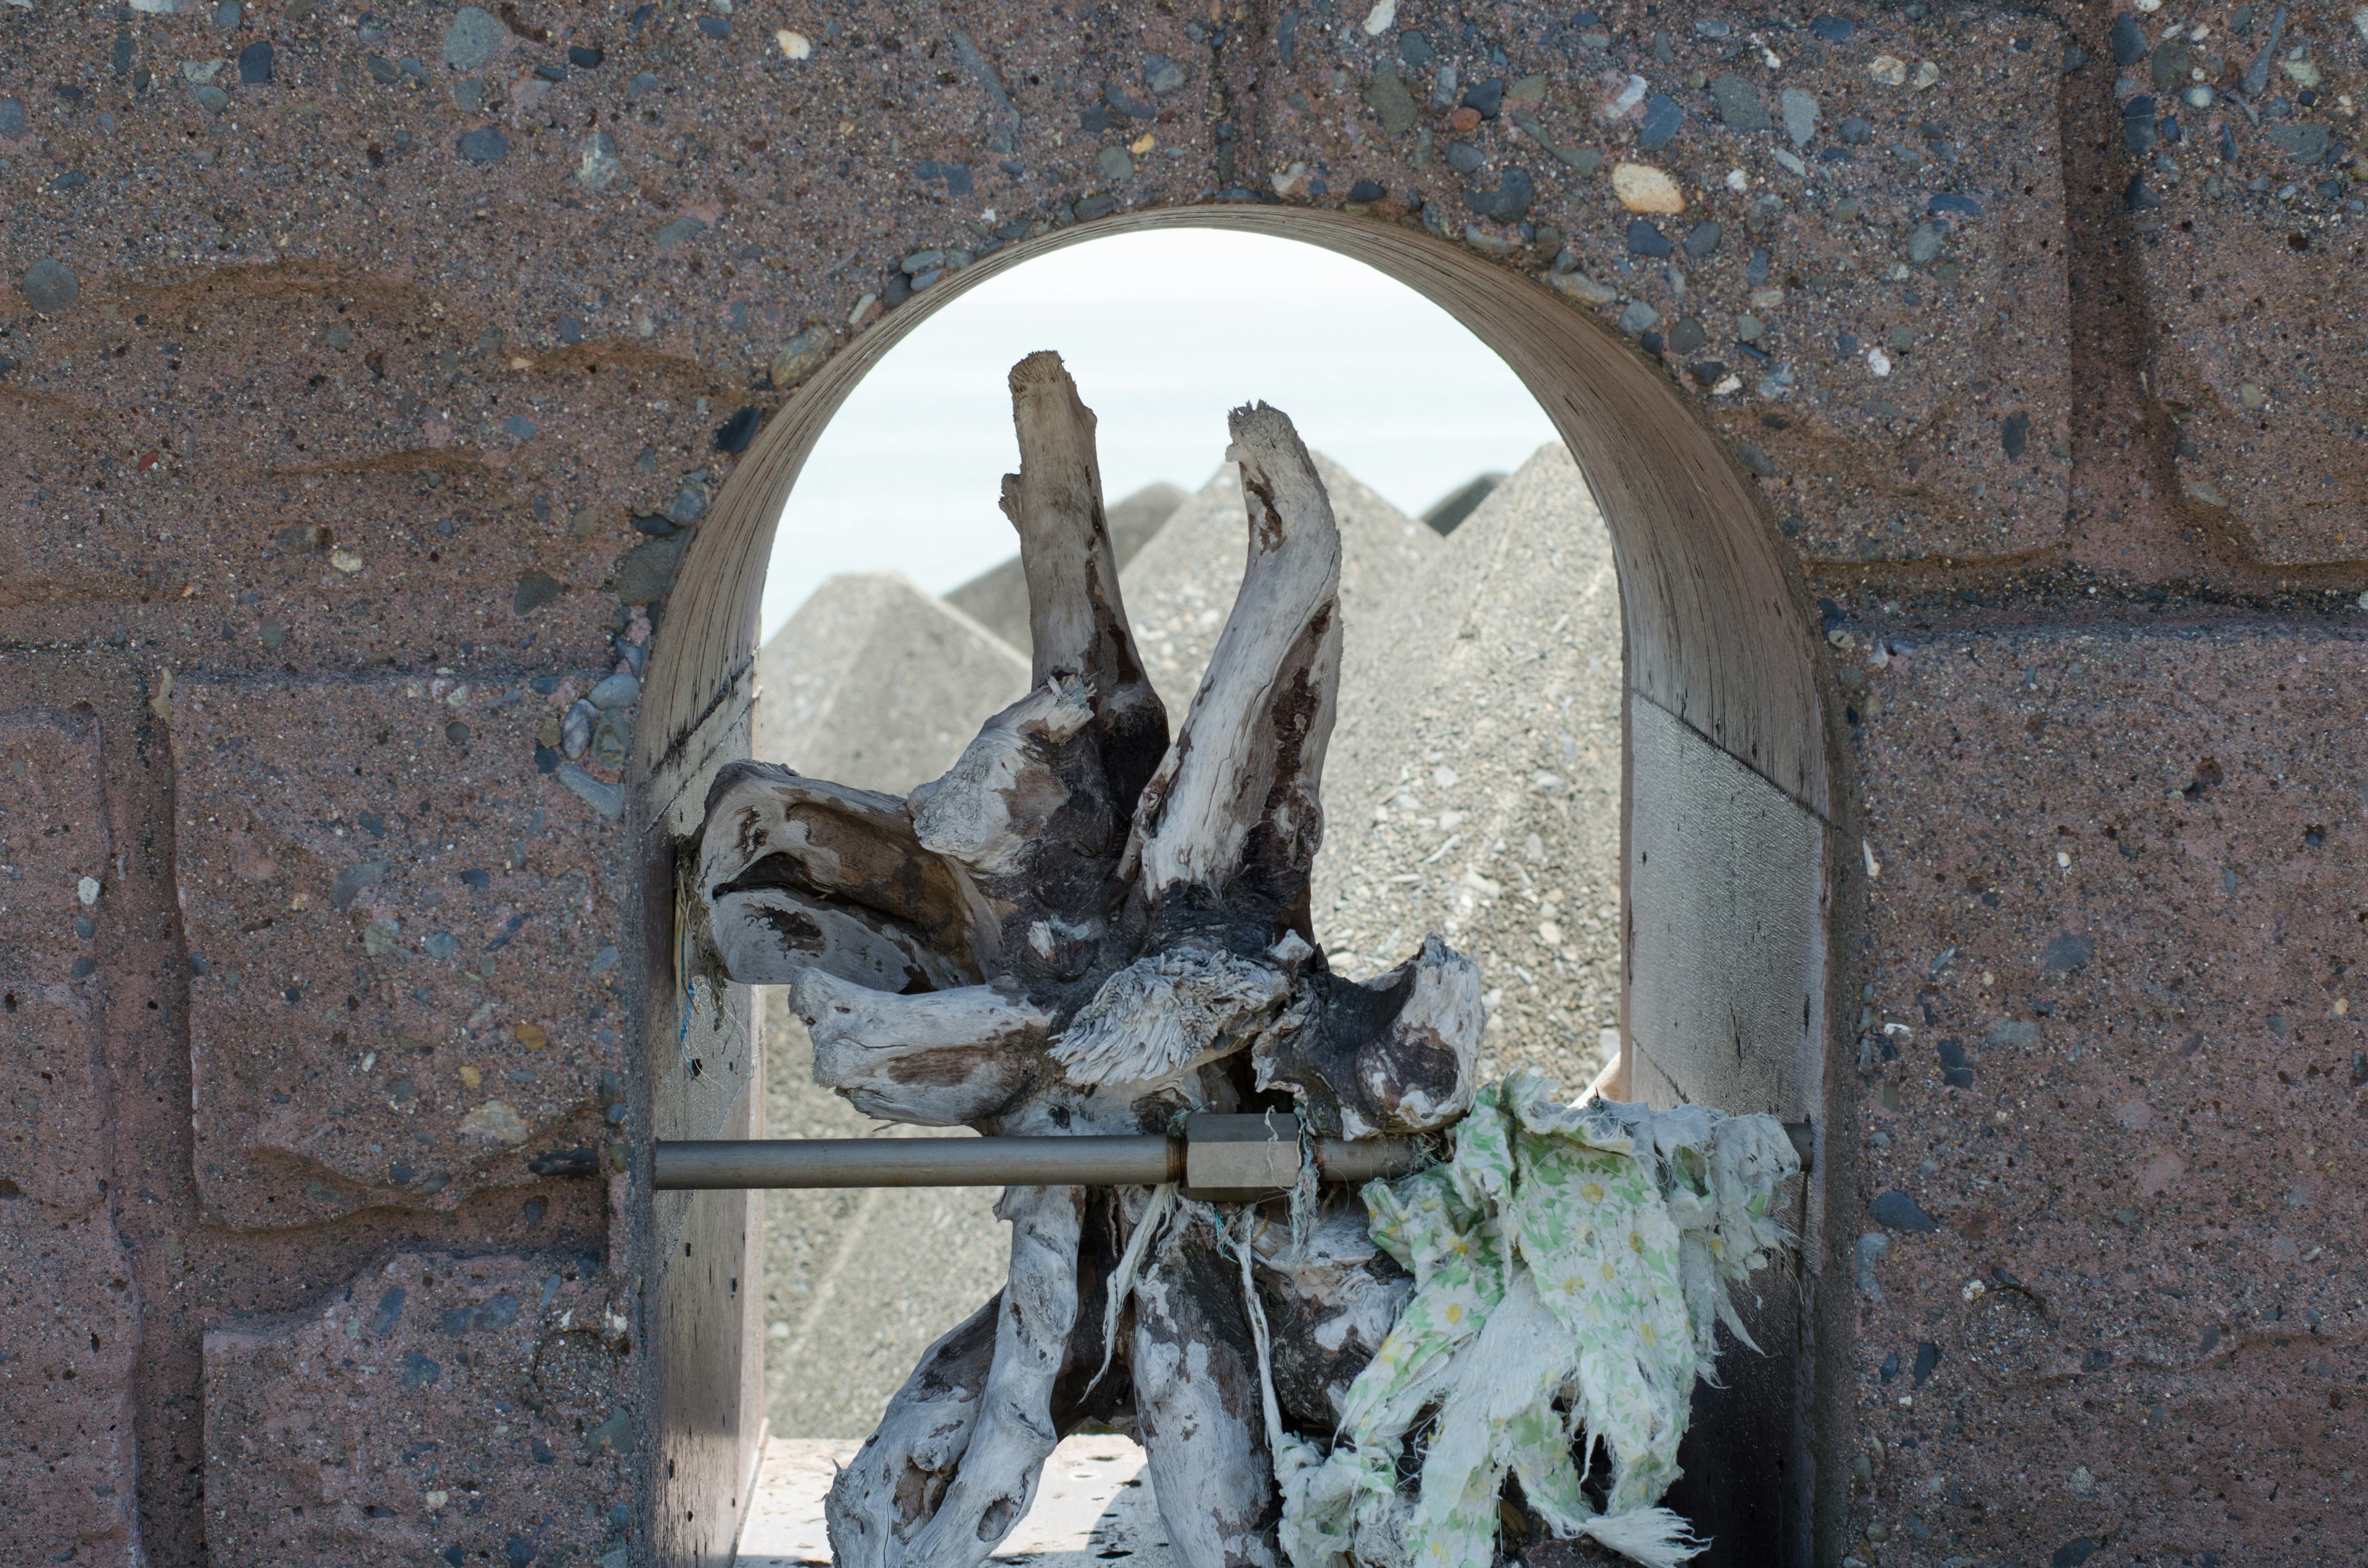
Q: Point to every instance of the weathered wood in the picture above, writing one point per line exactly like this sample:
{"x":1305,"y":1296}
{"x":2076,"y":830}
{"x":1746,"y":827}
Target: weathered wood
{"x":1331,"y":1298}
{"x":1233,"y":819}
{"x":1058,"y":937}
{"x":1397,"y":1053}
{"x":1076,"y":617}
{"x":936,"y":1059}
{"x":1168,"y":1012}
{"x":1027,"y":813}
{"x":993,"y":809}
{"x":895,"y":1483}
{"x":1014,"y":1432}
{"x":801,"y":874}
{"x":1197,"y":1403}
{"x":1093,"y":1384}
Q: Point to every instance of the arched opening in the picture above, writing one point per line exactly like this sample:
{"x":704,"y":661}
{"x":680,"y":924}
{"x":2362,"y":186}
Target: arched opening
{"x":1473,"y":780}
{"x":1727,"y":851}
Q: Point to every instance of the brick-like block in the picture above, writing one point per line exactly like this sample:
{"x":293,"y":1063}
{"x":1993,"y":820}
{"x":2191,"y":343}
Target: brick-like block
{"x":1853,"y":261}
{"x":69,"y":1331}
{"x":402,"y":945}
{"x":2112,"y":1056}
{"x":470,"y":1409}
{"x":54,"y":1147}
{"x":402,"y":517}
{"x":68,"y":1322}
{"x":2243,"y":240}
{"x":472,"y":426}
{"x":2256,"y":357}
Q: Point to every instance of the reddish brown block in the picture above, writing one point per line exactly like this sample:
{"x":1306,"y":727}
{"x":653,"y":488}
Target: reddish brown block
{"x":2256,"y":357}
{"x":402,"y":945}
{"x":68,"y":1471}
{"x":68,"y":1321}
{"x":2112,"y":1053}
{"x":54,"y":850}
{"x":400,"y":518}
{"x":438,"y":1402}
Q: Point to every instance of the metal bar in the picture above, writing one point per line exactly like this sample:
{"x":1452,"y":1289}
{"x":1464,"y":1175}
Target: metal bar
{"x":1141,"y":1161}
{"x":1359,"y":1160}
{"x":918,"y":1162}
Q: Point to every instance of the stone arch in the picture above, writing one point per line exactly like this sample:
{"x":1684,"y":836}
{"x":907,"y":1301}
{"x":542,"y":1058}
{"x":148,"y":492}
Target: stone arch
{"x":1732,"y":780}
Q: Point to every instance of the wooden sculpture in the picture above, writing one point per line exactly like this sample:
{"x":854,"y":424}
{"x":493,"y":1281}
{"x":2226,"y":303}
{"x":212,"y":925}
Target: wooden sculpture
{"x":1088,"y":928}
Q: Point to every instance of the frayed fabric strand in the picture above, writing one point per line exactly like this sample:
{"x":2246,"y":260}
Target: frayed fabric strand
{"x":1572,"y":1265}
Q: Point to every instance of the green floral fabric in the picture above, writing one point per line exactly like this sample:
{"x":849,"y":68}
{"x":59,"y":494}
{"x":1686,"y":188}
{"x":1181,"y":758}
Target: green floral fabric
{"x":1571,"y":1265}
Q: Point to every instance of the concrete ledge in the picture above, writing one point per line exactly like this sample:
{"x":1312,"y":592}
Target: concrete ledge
{"x":1093,"y":1506}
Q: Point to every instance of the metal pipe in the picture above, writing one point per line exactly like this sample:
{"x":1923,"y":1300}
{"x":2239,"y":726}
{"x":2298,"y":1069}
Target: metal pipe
{"x":1356,"y":1161}
{"x":1141,"y":1161}
{"x":1144,"y":1161}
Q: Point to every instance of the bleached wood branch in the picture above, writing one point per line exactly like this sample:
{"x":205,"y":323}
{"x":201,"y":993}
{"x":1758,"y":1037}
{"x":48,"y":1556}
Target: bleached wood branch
{"x":800,"y":873}
{"x":1081,"y":929}
{"x":934,"y":1059}
{"x":1168,"y":1012}
{"x":1398,"y":1053}
{"x":993,"y":811}
{"x":1076,"y":617}
{"x":1197,"y":1403}
{"x":895,"y":1483}
{"x":1329,"y":1308}
{"x":1234,"y":813}
{"x":1014,"y":1434}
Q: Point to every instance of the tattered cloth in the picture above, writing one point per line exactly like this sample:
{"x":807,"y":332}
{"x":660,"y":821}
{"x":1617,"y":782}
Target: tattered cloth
{"x":1572,"y":1265}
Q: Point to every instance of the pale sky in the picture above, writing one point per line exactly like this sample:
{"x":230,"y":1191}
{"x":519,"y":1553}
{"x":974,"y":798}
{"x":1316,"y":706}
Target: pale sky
{"x":1164,"y":332}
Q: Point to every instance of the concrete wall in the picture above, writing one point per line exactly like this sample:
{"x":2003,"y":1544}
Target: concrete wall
{"x":1725,"y":1003}
{"x":343,"y":355}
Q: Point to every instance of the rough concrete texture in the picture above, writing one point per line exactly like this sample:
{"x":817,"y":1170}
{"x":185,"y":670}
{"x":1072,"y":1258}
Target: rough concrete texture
{"x":1473,"y":786}
{"x":113,"y":1273}
{"x":69,"y":1311}
{"x":2252,"y":268}
{"x":68,"y":1478}
{"x":857,"y":1283}
{"x":59,"y":855}
{"x":408,"y":946}
{"x":464,"y":1408}
{"x":1180,"y":589}
{"x":998,"y":598}
{"x":1863,"y":330}
{"x":386,"y":515}
{"x":876,"y":684}
{"x":2112,"y":1056}
{"x":478,"y":331}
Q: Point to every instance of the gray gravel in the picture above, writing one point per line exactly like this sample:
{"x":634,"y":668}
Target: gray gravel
{"x":877,"y":684}
{"x":1181,"y":587}
{"x":1473,"y":787}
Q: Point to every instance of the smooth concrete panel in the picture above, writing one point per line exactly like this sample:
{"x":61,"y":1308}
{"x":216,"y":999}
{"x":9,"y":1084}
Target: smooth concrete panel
{"x":709,"y":1407}
{"x":704,"y":1081}
{"x":1727,"y":949}
{"x":1728,"y":894}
